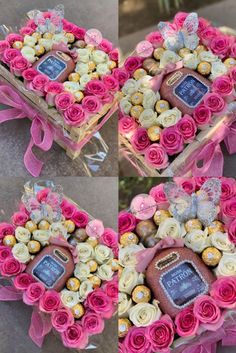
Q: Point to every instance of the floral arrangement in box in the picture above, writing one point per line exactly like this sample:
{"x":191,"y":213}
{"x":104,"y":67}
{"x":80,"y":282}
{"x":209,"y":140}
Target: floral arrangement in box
{"x":62,"y":262}
{"x":177,"y":286}
{"x":180,"y":80}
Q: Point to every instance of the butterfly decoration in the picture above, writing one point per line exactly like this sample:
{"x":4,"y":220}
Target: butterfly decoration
{"x":202,"y":205}
{"x":53,"y":24}
{"x":49,"y":208}
{"x":185,"y":37}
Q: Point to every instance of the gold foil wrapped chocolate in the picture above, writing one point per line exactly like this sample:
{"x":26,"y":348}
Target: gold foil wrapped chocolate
{"x":216,"y":226}
{"x":17,"y":45}
{"x":9,"y":240}
{"x":80,"y":235}
{"x":43,"y":225}
{"x":70,"y":226}
{"x":183,"y":52}
{"x":161,"y":106}
{"x":95,"y":280}
{"x":31,"y":226}
{"x":141,"y":294}
{"x":34,"y":246}
{"x":151,"y":66}
{"x":160,"y":216}
{"x":192,"y":224}
{"x":204,"y":68}
{"x":73,"y":284}
{"x":92,"y":265}
{"x":146,"y":228}
{"x":114,"y":263}
{"x":128,"y":238}
{"x":92,"y":241}
{"x":78,"y":96}
{"x":211,"y":256}
{"x":139,"y":73}
{"x":78,"y":311}
{"x":39,"y":49}
{"x":136,"y":98}
{"x":158,"y":52}
{"x":154,"y":133}
{"x":74,"y":77}
{"x":123,"y":327}
{"x":230,"y":62}
{"x":136,"y":110}
{"x":70,"y":37}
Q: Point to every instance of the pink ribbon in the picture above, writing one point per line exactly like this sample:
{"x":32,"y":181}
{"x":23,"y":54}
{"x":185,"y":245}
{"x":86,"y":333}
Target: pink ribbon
{"x":144,"y":257}
{"x":10,"y":293}
{"x":40,"y":326}
{"x":157,"y":80}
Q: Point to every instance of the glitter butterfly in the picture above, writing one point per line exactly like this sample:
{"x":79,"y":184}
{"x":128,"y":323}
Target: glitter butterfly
{"x":53,"y":24}
{"x":202,"y":205}
{"x":184,"y":37}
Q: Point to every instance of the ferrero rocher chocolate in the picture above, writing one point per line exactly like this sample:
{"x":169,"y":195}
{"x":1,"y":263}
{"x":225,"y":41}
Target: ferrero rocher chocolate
{"x":139,"y":73}
{"x":96,"y":281}
{"x":77,"y":311}
{"x":78,"y":96}
{"x":160,"y":216}
{"x":114,"y":263}
{"x":183,"y":52}
{"x":80,"y":44}
{"x":151,"y":65}
{"x":80,"y":235}
{"x":137,"y":98}
{"x":34,"y":246}
{"x":112,"y":64}
{"x":146,"y":228}
{"x":136,"y":110}
{"x":31,"y":226}
{"x":47,"y":35}
{"x":70,"y":226}
{"x":204,"y":68}
{"x":161,"y":106}
{"x":216,"y":226}
{"x":43,"y":225}
{"x":141,"y":294}
{"x":39,"y":49}
{"x":128,"y":238}
{"x":74,"y":77}
{"x":154,"y":133}
{"x":230,"y":62}
{"x":70,"y":37}
{"x":9,"y":240}
{"x":123,"y":327}
{"x":211,"y":256}
{"x":91,"y":65}
{"x":158,"y":52}
{"x":36,"y":35}
{"x":200,"y":48}
{"x":73,"y":284}
{"x":17,"y":45}
{"x":92,"y":241}
{"x":92,"y":265}
{"x":193,"y":224}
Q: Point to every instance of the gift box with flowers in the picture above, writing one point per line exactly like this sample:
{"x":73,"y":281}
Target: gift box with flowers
{"x":178,"y":97}
{"x":61,"y":76}
{"x":177,"y":286}
{"x":62,"y":262}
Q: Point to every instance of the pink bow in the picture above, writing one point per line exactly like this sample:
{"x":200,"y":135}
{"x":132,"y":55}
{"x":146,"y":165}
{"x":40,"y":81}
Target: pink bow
{"x":157,"y":80}
{"x":41,"y":133}
{"x":64,"y":48}
{"x":144,"y":257}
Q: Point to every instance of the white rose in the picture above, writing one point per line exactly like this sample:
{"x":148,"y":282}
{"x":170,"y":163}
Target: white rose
{"x":85,"y":288}
{"x":150,"y":98}
{"x":124,"y":304}
{"x":72,"y":87}
{"x":221,"y":241}
{"x":197,"y":240}
{"x":172,"y":228}
{"x":21,"y":253}
{"x":127,"y":255}
{"x":85,"y":252}
{"x":148,"y":118}
{"x":99,"y":56}
{"x":69,"y":298}
{"x":102,"y":254}
{"x":83,"y":55}
{"x":207,"y":56}
{"x":218,"y":69}
{"x":169,"y":117}
{"x":125,"y":105}
{"x":59,"y":37}
{"x":82,"y":68}
{"x":22,"y":235}
{"x":105,"y":272}
{"x":144,"y":83}
{"x":144,"y":314}
{"x":103,"y":69}
{"x":130,"y":279}
{"x":84,"y":79}
{"x":191,"y":61}
{"x":82,"y":271}
{"x":130,"y":87}
{"x":227,"y":265}
{"x":46,"y":43}
{"x":58,"y":229}
{"x":42,"y":236}
{"x":30,"y":41}
{"x":29,"y":54}
{"x":169,"y":57}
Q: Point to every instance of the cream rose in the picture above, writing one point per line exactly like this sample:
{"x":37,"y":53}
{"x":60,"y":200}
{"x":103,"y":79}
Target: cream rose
{"x":105,"y":272}
{"x":30,"y":41}
{"x":103,"y":69}
{"x":191,"y":61}
{"x":21,"y":253}
{"x":99,"y":56}
{"x":130,"y":279}
{"x":59,"y":37}
{"x":227,"y":265}
{"x":144,"y":83}
{"x":71,"y":86}
{"x":127,"y":255}
{"x":149,"y":99}
{"x":172,"y":228}
{"x":218,"y":69}
{"x":85,"y":252}
{"x":197,"y":240}
{"x":124,"y":304}
{"x":169,"y":57}
{"x":58,"y":229}
{"x":82,"y":271}
{"x":42,"y":236}
{"x":130,"y":87}
{"x":22,"y":235}
{"x":148,"y":118}
{"x":82,"y":68}
{"x":102,"y":254}
{"x":46,"y":43}
{"x":84,"y":79}
{"x":69,"y":298}
{"x":221,"y":241}
{"x":144,"y":314}
{"x":85,"y":288}
{"x":169,"y":117}
{"x":207,"y":56}
{"x":29,"y":54}
{"x":125,"y":105}
{"x":83,"y":55}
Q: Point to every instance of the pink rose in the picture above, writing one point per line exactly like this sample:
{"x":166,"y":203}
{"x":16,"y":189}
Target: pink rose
{"x":220,"y":45}
{"x":228,"y":209}
{"x":92,"y":323}
{"x":140,"y":140}
{"x":161,"y":334}
{"x":126,"y":222}
{"x":223,"y":85}
{"x":100,"y":303}
{"x":188,"y":184}
{"x":232,"y":231}
{"x":202,"y":24}
{"x":109,"y":238}
{"x":6,"y":229}
{"x":156,"y":156}
{"x":200,"y":181}
{"x":68,"y":209}
{"x":157,"y":192}
{"x":75,"y":337}
{"x":53,"y":89}
{"x":11,"y":267}
{"x":111,"y":290}
{"x":50,"y":301}
{"x":121,"y":75}
{"x":202,"y":115}
{"x":111,"y":83}
{"x":29,"y":74}
{"x":121,"y":348}
{"x":206,"y":310}
{"x":106,"y":46}
{"x":179,"y":19}
{"x":67,"y":26}
{"x":75,"y":115}
{"x":132,"y":64}
{"x":91,"y":104}
{"x":186,"y":323}
{"x":33,"y":293}
{"x":62,"y":319}
{"x":233,"y":51}
{"x":114,"y":55}
{"x":26,"y":31}
{"x":78,"y":32}
{"x":127,"y":125}
{"x":208,"y":34}
{"x":14,"y":37}
{"x":214,"y":102}
{"x":31,"y":24}
{"x":4,"y":45}
{"x":80,"y":218}
{"x":155,"y":38}
{"x":233,"y":74}
{"x":9,"y":55}
{"x":38,"y":83}
{"x":23,"y":280}
{"x":18,"y":65}
{"x":223,"y":291}
{"x":172,"y":141}
{"x":187,"y":128}
{"x":228,"y":188}
{"x":136,"y":341}
{"x":19,"y":218}
{"x":64,"y":100}
{"x":97,"y":88}
{"x":5,"y":252}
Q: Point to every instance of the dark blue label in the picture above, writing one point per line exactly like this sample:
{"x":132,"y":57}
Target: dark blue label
{"x":191,"y":91}
{"x":183,"y":283}
{"x":52,"y":67}
{"x":48,"y":271}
